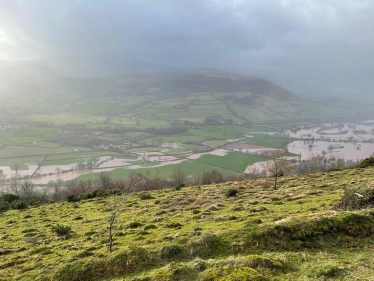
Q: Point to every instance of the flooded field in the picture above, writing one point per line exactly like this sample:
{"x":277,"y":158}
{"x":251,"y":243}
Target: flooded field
{"x":343,"y":140}
{"x":348,"y":151}
{"x":67,"y":176}
{"x":218,"y":152}
{"x":248,"y":148}
{"x":346,"y":132}
{"x":9,"y":172}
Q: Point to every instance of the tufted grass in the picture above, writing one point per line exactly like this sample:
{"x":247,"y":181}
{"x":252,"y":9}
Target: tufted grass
{"x":198,"y":233}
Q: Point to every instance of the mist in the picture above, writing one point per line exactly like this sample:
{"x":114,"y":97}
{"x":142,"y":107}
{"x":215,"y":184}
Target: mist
{"x":318,"y":43}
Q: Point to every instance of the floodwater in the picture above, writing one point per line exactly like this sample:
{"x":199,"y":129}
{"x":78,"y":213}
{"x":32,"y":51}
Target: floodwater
{"x":150,"y":153}
{"x":158,"y":165}
{"x":239,"y":139}
{"x":334,"y":134}
{"x":218,"y":152}
{"x":348,"y":151}
{"x":68,"y":175}
{"x":160,"y":158}
{"x":104,"y":164}
{"x":8,"y":172}
{"x":175,"y":146}
{"x":52,"y":168}
{"x":249,"y":148}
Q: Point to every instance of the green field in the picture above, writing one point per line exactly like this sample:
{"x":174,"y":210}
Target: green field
{"x":234,"y":161}
{"x":216,"y":143}
{"x":147,"y":149}
{"x":86,"y":154}
{"x":23,"y":162}
{"x":50,"y":126}
{"x":19,"y":151}
{"x":60,"y":119}
{"x":44,"y":144}
{"x":267,"y":140}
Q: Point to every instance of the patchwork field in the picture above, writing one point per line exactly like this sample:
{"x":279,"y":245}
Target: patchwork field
{"x":142,"y":117}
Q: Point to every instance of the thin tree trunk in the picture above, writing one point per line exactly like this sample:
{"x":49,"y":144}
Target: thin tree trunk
{"x":110,"y":236}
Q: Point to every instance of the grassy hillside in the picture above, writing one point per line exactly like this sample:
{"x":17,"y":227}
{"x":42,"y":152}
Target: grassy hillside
{"x":199,"y":233}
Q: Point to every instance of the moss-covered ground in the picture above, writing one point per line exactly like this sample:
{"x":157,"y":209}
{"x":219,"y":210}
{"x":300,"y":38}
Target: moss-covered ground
{"x":198,"y":233}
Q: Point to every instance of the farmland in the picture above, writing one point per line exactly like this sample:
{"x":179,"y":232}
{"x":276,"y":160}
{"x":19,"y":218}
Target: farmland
{"x":87,"y":128}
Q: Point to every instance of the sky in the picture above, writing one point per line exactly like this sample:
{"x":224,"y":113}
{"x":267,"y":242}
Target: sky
{"x":326,"y":42}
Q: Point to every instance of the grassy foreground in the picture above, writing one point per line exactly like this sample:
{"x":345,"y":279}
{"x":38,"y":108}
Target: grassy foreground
{"x":199,"y":233}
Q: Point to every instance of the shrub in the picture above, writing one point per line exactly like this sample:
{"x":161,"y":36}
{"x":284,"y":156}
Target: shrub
{"x":4,"y":206}
{"x":72,"y":198}
{"x":145,"y":196}
{"x":97,"y":192}
{"x":35,"y":202}
{"x":231,"y":192}
{"x":8,"y":197}
{"x":368,"y":162}
{"x":179,"y":187}
{"x":19,"y":205}
{"x":356,"y":199}
{"x":61,"y":230}
{"x":114,"y":191}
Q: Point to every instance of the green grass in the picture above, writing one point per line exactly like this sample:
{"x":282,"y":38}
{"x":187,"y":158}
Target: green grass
{"x":64,"y":162}
{"x":44,"y":144}
{"x":193,"y":168}
{"x":198,"y":233}
{"x":216,"y":143}
{"x":270,"y":141}
{"x":60,"y":119}
{"x":19,"y":151}
{"x":178,"y":139}
{"x":235,"y":161}
{"x":86,"y":154}
{"x":146,"y":149}
{"x":216,"y":135}
{"x":23,"y":162}
{"x":181,"y":151}
{"x":193,"y":147}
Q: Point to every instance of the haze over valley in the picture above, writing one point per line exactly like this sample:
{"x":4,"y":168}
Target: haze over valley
{"x":186,"y":140}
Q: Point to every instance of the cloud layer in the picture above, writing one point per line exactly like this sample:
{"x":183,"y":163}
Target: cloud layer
{"x":317,"y":41}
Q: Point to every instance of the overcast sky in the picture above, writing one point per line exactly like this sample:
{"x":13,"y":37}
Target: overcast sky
{"x":307,"y":40}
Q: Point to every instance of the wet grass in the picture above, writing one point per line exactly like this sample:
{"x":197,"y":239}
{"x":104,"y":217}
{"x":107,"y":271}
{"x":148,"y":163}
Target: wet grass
{"x":199,"y":233}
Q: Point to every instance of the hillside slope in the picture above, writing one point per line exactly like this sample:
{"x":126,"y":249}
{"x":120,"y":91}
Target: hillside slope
{"x":199,"y":233}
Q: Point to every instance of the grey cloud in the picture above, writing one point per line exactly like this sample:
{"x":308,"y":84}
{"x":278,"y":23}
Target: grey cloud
{"x":316,"y":41}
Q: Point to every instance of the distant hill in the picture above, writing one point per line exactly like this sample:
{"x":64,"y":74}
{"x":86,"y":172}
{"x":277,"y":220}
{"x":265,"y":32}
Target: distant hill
{"x":74,"y":67}
{"x":138,"y":83}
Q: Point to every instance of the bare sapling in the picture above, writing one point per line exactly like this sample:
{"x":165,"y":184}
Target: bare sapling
{"x":277,"y":165}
